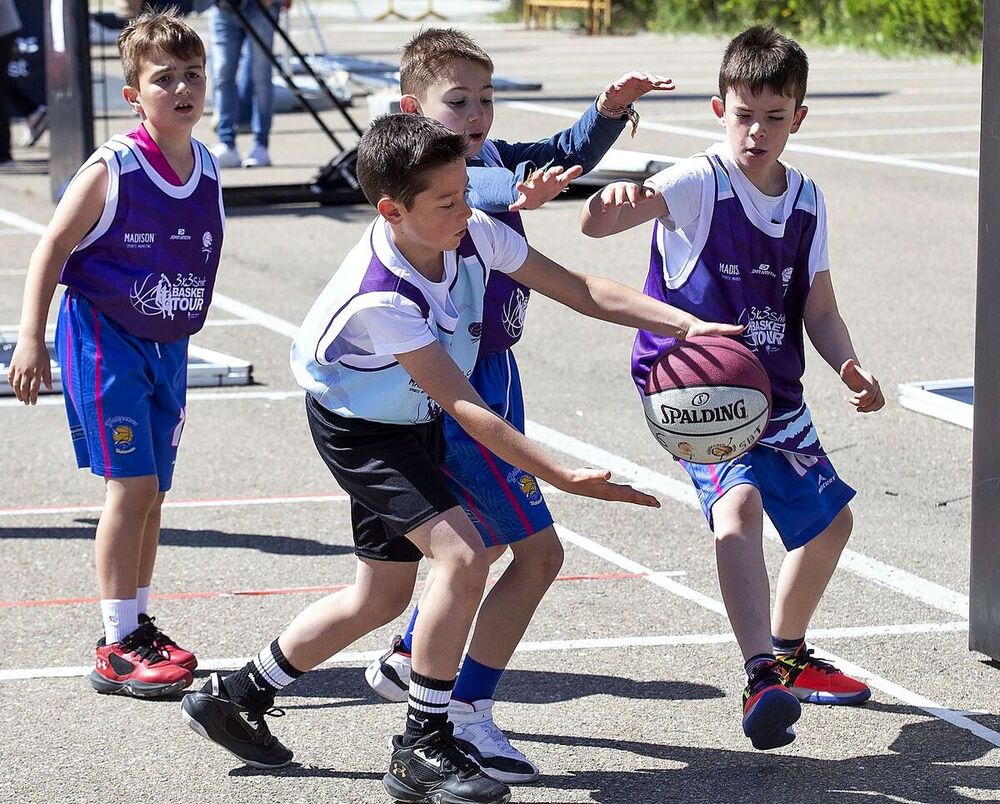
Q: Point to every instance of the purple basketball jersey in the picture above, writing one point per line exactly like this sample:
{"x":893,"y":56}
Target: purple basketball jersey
{"x":744,"y":275}
{"x":150,"y":262}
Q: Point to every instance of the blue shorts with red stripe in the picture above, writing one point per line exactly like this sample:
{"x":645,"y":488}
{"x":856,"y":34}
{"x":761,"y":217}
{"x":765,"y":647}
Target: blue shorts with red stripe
{"x":124,"y":395}
{"x":802,"y":495}
{"x":504,"y":503}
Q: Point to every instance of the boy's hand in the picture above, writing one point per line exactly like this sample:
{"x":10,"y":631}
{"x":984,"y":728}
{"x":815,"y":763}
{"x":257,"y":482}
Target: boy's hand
{"x":597,"y":483}
{"x":699,"y":327}
{"x":29,"y":367}
{"x":868,"y":395}
{"x":624,"y":193}
{"x":630,"y":87}
{"x":543,"y":185}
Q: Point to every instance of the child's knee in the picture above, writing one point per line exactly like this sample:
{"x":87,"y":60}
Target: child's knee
{"x":134,"y":494}
{"x":388,"y":604}
{"x":541,"y":555}
{"x":838,"y":532}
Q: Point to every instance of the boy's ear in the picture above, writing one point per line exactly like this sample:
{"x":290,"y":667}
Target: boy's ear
{"x":799,"y":116}
{"x":131,"y":96}
{"x":408,"y":104}
{"x":391,"y":210}
{"x":719,"y":109}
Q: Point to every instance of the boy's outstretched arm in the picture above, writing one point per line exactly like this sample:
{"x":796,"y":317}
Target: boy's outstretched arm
{"x":77,"y":213}
{"x":829,"y":334}
{"x":619,"y":206}
{"x":440,"y":377}
{"x":607,"y":300}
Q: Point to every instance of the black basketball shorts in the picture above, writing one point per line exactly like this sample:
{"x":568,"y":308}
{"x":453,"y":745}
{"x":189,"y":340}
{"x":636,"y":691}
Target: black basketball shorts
{"x":391,"y":473}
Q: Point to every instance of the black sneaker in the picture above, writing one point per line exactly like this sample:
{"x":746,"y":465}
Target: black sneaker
{"x":243,"y":733}
{"x":436,"y":771}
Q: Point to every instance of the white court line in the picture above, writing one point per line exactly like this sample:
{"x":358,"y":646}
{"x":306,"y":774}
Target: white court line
{"x":885,"y":132}
{"x":362,"y":657}
{"x":898,"y":580}
{"x":288,"y":499}
{"x":833,"y":153}
{"x":898,"y":692}
{"x":877,"y":107}
{"x":215,"y":395}
{"x":20,"y":222}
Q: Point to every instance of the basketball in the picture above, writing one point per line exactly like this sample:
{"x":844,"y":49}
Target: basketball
{"x":707,"y":399}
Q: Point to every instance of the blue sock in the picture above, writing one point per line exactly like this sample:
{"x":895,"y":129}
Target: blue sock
{"x":786,"y":646}
{"x":407,"y":641}
{"x":476,"y":681}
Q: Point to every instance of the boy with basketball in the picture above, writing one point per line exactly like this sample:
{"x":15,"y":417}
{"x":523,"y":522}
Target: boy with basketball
{"x":740,"y":236}
{"x":385,"y":349}
{"x":137,"y":288}
{"x":446,"y":76}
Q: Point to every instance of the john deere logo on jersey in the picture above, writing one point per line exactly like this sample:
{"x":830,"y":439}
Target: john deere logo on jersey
{"x":733,"y":412}
{"x":527,"y":484}
{"x":122,"y":430}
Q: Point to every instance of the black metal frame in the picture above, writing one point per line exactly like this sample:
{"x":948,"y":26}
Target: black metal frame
{"x":335,"y":183}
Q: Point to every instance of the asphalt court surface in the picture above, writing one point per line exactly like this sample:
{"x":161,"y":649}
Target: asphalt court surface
{"x":627,"y":686}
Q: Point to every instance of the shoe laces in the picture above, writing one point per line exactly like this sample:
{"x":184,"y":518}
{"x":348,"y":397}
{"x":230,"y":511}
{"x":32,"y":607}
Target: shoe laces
{"x":804,"y":657}
{"x":495,"y":736}
{"x":443,"y":745}
{"x":156,"y":635}
{"x":260,"y":725}
{"x":139,"y":643}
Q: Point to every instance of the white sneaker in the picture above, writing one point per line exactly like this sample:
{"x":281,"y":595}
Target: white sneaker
{"x":227,"y":155}
{"x":258,"y":157}
{"x":478,"y":736}
{"x":389,"y":675}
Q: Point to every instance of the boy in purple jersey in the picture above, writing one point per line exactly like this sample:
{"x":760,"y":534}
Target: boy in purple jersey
{"x":388,"y":345}
{"x":136,"y":240}
{"x":741,"y":236}
{"x":446,"y":76}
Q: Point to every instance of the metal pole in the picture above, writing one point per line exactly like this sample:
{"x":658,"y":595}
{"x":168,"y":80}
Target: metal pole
{"x":984,"y":580}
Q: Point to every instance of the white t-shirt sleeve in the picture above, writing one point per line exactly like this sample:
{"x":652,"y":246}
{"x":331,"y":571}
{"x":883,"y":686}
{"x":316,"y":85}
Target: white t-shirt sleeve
{"x":383,"y":330}
{"x":681,"y":186}
{"x":819,"y":255}
{"x":507,"y":250}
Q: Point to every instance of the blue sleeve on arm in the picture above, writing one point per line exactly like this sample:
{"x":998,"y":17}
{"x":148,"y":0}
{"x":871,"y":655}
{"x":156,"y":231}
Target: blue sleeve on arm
{"x":491,"y":189}
{"x":584,"y":143}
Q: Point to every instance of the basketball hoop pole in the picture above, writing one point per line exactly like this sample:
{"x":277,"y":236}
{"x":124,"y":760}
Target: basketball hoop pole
{"x":984,"y":580}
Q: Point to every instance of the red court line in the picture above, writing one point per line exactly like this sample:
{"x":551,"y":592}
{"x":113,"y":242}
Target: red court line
{"x":292,"y":590}
{"x":84,"y":507}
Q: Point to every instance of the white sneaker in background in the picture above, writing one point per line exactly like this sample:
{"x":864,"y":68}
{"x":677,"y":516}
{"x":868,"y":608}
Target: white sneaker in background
{"x":258,"y":157}
{"x":227,"y":155}
{"x":478,"y":736}
{"x":389,"y":675}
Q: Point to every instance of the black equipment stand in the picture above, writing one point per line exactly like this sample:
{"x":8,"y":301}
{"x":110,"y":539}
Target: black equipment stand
{"x":336,"y":182}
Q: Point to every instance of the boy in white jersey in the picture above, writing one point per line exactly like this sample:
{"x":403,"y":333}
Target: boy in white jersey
{"x":740,"y":236}
{"x":385,"y":349}
{"x":135,"y":293}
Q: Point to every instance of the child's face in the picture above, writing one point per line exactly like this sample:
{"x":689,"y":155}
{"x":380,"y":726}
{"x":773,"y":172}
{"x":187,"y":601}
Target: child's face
{"x":462,"y":99}
{"x":171,"y":93}
{"x":437,"y":218}
{"x":757,"y":127}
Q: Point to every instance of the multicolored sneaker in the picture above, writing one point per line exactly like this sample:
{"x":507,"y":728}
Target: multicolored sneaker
{"x":769,"y":709}
{"x":389,"y":675}
{"x":134,"y":667}
{"x":434,"y":769}
{"x":211,"y":713}
{"x":478,"y":736}
{"x":813,"y":680}
{"x":170,"y":650}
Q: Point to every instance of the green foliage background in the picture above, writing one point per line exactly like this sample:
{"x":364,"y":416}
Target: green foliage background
{"x":888,"y":26}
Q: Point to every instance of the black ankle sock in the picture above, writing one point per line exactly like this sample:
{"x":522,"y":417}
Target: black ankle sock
{"x":256,"y":683}
{"x":755,"y":663}
{"x":428,"y":709}
{"x":786,"y":646}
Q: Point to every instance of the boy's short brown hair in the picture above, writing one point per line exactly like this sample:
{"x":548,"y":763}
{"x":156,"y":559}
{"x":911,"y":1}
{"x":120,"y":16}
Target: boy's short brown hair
{"x":760,"y":58}
{"x":424,"y":57}
{"x":157,"y":31}
{"x":397,"y":152}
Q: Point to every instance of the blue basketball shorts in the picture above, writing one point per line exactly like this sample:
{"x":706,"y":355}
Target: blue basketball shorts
{"x":802,"y":495}
{"x":124,"y":395}
{"x":503,"y":502}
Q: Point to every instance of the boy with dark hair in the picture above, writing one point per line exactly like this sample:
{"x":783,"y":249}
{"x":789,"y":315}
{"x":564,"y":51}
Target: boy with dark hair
{"x":444,"y":74}
{"x":137,"y":288}
{"x":385,"y":349}
{"x":740,"y":236}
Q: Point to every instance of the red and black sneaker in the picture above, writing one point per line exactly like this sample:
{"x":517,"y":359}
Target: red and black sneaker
{"x":769,"y":709}
{"x":134,"y":667}
{"x":170,"y":650}
{"x":813,"y":680}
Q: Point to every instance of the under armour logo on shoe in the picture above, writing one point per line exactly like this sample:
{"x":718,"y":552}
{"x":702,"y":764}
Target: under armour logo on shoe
{"x":399,"y":769}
